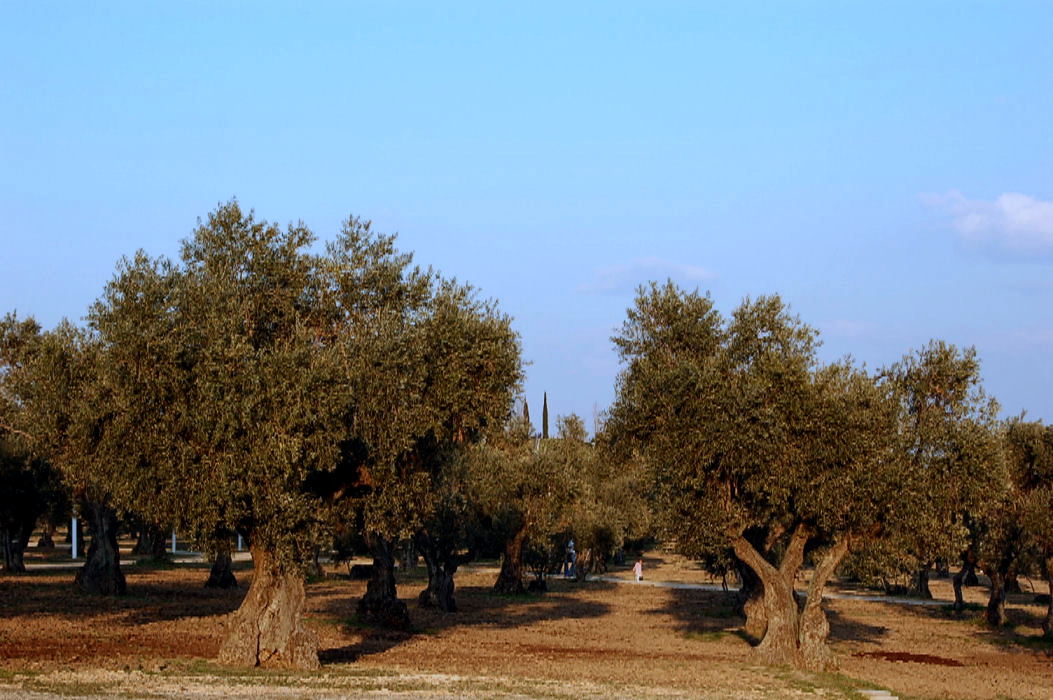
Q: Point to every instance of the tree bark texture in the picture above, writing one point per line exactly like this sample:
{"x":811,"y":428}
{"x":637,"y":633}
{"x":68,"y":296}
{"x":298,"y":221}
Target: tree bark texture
{"x":1047,"y":624}
{"x":381,"y":605}
{"x":996,"y":603}
{"x":750,"y":602}
{"x":814,"y":626}
{"x":151,"y":543}
{"x":14,"y":541}
{"x":221,"y":574}
{"x":441,"y":569}
{"x":14,"y":537}
{"x":47,"y":535}
{"x":920,"y":586}
{"x":510,"y":579}
{"x":792,"y":635}
{"x":101,"y":573}
{"x":957,"y":581}
{"x":268,"y":629}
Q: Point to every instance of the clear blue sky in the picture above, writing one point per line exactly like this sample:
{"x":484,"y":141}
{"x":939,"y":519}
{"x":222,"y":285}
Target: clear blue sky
{"x":886,"y":167}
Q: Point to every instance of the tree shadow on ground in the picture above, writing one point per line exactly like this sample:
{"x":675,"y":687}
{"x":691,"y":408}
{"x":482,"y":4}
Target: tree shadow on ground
{"x":478,"y":606}
{"x":1022,"y":630}
{"x":152,"y":596}
{"x":713,"y":614}
{"x":847,"y":629}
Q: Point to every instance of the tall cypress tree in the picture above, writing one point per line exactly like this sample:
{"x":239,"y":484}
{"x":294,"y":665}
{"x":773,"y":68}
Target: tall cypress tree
{"x":544,"y":418}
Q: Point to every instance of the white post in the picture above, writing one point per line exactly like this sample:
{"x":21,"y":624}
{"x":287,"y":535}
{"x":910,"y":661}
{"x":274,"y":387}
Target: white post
{"x":73,"y":535}
{"x":240,"y":543}
{"x":173,"y":541}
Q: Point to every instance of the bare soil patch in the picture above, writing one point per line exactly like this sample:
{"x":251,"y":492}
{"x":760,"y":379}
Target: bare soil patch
{"x":586,"y":640}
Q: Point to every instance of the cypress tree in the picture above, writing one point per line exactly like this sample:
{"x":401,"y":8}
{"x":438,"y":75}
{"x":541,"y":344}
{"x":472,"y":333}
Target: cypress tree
{"x":544,"y":418}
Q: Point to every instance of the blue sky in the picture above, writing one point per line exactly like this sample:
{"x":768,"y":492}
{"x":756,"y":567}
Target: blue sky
{"x":886,"y":167}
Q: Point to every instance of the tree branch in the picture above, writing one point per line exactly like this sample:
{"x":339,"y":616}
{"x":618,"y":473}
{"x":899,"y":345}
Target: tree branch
{"x":794,"y":556}
{"x":752,"y":558}
{"x":824,"y":570}
{"x":16,"y":431}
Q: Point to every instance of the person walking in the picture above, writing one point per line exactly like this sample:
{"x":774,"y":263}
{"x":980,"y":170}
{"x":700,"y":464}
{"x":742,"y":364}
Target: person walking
{"x":638,"y":569}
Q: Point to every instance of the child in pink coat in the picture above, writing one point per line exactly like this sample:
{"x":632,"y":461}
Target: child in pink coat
{"x":638,"y":569}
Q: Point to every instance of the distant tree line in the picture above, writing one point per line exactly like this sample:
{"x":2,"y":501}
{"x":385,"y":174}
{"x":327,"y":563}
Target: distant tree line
{"x":314,"y":401}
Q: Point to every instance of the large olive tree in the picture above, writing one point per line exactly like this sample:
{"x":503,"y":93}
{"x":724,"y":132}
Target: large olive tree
{"x":261,"y":388}
{"x":756,"y":448}
{"x":61,"y":408}
{"x":951,"y":442}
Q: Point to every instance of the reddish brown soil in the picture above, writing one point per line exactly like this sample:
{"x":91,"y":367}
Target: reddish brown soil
{"x":610,"y":635}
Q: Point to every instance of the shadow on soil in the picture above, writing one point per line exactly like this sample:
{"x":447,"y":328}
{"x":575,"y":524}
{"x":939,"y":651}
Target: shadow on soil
{"x":478,"y":606}
{"x":151,"y":596}
{"x":710,"y":615}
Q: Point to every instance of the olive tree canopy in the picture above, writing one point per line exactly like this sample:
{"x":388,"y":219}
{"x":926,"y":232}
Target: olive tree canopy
{"x":260,"y":385}
{"x":756,"y":448}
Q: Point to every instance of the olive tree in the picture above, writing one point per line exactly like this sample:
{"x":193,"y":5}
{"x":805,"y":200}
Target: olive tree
{"x":63,"y":409}
{"x":524,"y":485}
{"x":951,"y":442}
{"x":756,"y":448}
{"x":262,"y":389}
{"x":1030,"y":459}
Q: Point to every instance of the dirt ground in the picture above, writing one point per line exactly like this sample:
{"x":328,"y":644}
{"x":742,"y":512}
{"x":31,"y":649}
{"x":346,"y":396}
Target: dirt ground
{"x":597,"y":639}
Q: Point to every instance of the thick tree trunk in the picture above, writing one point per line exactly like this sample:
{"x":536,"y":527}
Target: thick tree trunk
{"x":996,"y":603}
{"x":268,"y":630}
{"x":793,"y":635}
{"x":221,"y":575}
{"x":14,"y":540}
{"x":751,"y":602}
{"x":815,"y":628}
{"x":779,"y":645}
{"x":101,"y":573}
{"x":1012,"y":583}
{"x":439,"y":592}
{"x":956,"y":582}
{"x":440,"y":588}
{"x":510,"y":579}
{"x":47,"y":535}
{"x":920,"y":585}
{"x":584,"y":565}
{"x":381,"y":605}
{"x":151,"y":543}
{"x":1047,"y":623}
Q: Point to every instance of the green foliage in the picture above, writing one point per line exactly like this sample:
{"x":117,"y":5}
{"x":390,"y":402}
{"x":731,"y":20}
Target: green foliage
{"x":253,"y":386}
{"x":741,"y":428}
{"x":955,"y":471}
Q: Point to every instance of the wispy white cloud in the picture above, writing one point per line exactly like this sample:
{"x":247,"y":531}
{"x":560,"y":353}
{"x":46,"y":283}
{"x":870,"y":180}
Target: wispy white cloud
{"x":625,"y":278}
{"x":1012,"y":226}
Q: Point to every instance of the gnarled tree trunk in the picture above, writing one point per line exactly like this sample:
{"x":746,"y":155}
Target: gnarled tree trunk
{"x":1047,"y":623}
{"x":815,"y":628}
{"x":441,"y":568}
{"x":920,"y":586}
{"x":996,"y":603}
{"x":751,"y":602}
{"x":793,"y":635}
{"x":381,"y":605}
{"x":268,"y":629}
{"x":101,"y":573}
{"x":510,"y":578}
{"x":151,"y":543}
{"x":957,"y":581}
{"x":221,"y":575}
{"x":13,"y":541}
{"x":47,"y":535}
